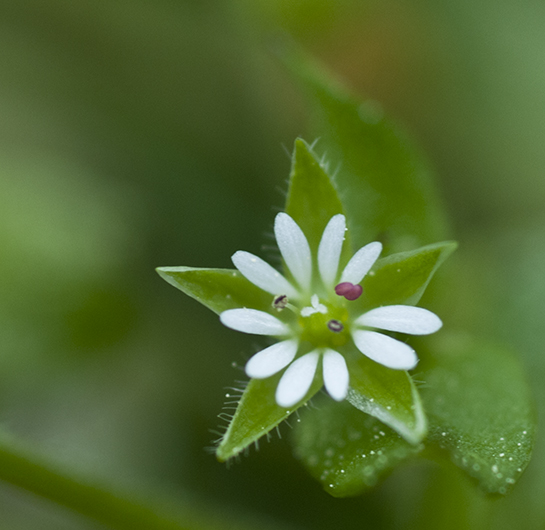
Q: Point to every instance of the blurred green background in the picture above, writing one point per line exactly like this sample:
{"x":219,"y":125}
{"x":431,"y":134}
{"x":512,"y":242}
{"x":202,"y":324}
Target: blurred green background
{"x":139,"y":134}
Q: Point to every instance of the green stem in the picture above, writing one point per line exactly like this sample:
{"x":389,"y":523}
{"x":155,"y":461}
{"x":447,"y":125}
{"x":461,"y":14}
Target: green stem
{"x":22,"y":469}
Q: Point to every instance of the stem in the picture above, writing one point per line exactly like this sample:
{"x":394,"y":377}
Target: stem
{"x":22,"y":469}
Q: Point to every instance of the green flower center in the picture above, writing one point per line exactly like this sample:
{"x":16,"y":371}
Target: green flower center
{"x":329,"y":330}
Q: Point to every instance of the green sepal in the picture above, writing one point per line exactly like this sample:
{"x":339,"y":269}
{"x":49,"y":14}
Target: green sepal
{"x":388,"y":395}
{"x":257,"y":413}
{"x":402,"y":278}
{"x":480,"y":410}
{"x":345,"y":450}
{"x":312,"y":197}
{"x":217,"y":289}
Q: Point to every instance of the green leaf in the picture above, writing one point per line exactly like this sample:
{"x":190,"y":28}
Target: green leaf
{"x":217,"y":289}
{"x":403,"y":277}
{"x":346,"y":450}
{"x":480,"y":410}
{"x":312,"y":198}
{"x":386,"y":186}
{"x":388,"y":395}
{"x":257,"y":413}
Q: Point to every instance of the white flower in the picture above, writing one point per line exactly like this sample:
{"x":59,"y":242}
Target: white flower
{"x":314,"y":310}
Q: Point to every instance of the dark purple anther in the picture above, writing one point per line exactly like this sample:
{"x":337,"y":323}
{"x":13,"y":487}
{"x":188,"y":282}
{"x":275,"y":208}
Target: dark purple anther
{"x":335,"y":326}
{"x":349,"y":290}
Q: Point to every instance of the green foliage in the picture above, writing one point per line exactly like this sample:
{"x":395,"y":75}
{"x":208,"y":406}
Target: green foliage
{"x":387,"y":190}
{"x":257,"y":414}
{"x":345,"y":450}
{"x":312,"y":197}
{"x":389,"y":395}
{"x":479,"y":407}
{"x":217,"y":289}
{"x":403,"y":277}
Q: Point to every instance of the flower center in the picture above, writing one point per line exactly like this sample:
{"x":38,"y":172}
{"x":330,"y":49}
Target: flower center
{"x":325,"y":329}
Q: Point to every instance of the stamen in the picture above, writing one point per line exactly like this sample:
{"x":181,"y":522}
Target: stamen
{"x":335,"y":326}
{"x":349,"y":290}
{"x":280,"y":302}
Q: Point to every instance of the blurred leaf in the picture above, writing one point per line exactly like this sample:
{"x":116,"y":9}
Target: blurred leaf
{"x":257,"y":413}
{"x":386,"y":186}
{"x":389,"y":395}
{"x":312,"y":198}
{"x":346,"y":450}
{"x":402,"y":278}
{"x":217,"y":289}
{"x":480,"y":410}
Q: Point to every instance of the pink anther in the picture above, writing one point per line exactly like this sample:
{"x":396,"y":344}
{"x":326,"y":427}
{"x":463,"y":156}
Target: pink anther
{"x":349,"y":290}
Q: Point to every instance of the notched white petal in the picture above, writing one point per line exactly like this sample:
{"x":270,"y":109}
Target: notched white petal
{"x":260,"y":273}
{"x":402,"y":318}
{"x":385,"y":350}
{"x":272,"y":359}
{"x":329,"y":250}
{"x":294,"y":248}
{"x":335,"y":375}
{"x":296,"y":380}
{"x":361,"y":262}
{"x":254,"y":322}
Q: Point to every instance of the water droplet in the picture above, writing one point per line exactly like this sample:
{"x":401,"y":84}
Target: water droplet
{"x":502,"y":455}
{"x":476,"y":467}
{"x":494,"y":468}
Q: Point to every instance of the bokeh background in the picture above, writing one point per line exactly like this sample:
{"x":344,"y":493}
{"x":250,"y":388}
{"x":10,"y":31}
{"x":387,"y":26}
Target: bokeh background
{"x":139,"y":134}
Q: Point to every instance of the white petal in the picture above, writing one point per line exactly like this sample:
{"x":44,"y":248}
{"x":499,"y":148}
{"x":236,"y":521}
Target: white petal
{"x":260,"y":273}
{"x":296,"y":380}
{"x":361,"y":262}
{"x":329,"y":250}
{"x":403,"y":318}
{"x":385,"y":350}
{"x":335,"y":375}
{"x":272,"y":359}
{"x":254,"y":322}
{"x":294,"y":248}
